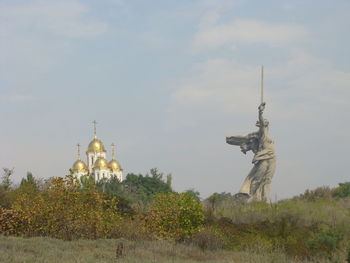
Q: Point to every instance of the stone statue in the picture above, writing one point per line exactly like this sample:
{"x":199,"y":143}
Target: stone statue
{"x":256,"y":186}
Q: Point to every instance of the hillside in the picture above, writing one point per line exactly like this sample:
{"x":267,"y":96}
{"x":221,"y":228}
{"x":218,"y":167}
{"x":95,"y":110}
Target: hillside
{"x":83,"y":221}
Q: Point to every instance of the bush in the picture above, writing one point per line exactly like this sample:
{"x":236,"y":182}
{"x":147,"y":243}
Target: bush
{"x":342,"y":191}
{"x":319,"y":193}
{"x":208,"y":239}
{"x":133,"y":229}
{"x":11,"y":222}
{"x":62,"y":211}
{"x":175,"y":216}
{"x":326,"y":242}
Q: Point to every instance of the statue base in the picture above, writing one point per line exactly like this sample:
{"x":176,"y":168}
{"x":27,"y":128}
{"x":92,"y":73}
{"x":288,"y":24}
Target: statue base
{"x":241,"y":198}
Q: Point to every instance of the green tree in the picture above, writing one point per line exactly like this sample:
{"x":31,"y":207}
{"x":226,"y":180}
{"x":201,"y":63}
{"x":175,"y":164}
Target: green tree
{"x":195,"y":194}
{"x":175,"y":216}
{"x":5,"y":179}
{"x":217,"y":198}
{"x":343,"y":190}
{"x":144,"y":188}
{"x":5,"y":188}
{"x":112,"y":187}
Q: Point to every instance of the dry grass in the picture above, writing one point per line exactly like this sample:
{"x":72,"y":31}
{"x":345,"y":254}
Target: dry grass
{"x":40,"y":249}
{"x":329,"y":212}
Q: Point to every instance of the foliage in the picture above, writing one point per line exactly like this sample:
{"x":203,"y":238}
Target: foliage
{"x":110,"y":186}
{"x":5,"y":188}
{"x":299,"y":227}
{"x":195,"y":194}
{"x":327,"y":241}
{"x":343,"y":190}
{"x":5,"y":179}
{"x":63,"y":212}
{"x":325,"y":192}
{"x":319,"y":193}
{"x":312,"y":225}
{"x":216,"y":199}
{"x":12,"y":222}
{"x":144,"y":188}
{"x":208,"y":239}
{"x":175,"y":216}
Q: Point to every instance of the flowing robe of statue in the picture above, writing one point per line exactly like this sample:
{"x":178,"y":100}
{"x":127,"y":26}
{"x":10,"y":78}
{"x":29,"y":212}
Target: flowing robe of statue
{"x":256,"y":186}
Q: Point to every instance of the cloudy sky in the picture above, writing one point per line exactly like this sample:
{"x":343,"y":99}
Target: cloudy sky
{"x":168,"y":80}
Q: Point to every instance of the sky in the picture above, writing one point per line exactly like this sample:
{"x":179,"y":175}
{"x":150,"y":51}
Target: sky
{"x":167,"y":81}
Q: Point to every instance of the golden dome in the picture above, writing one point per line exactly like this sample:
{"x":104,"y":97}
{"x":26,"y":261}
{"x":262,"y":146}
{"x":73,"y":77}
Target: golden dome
{"x":101,"y":163}
{"x":114,"y":166}
{"x":79,"y":166}
{"x":96,"y":146}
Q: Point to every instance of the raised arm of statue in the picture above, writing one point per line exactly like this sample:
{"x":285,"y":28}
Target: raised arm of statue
{"x":262,"y":123}
{"x":261,"y":110}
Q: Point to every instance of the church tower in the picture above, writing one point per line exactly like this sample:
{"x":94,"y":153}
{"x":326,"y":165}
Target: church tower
{"x":95,"y":150}
{"x":114,"y":166}
{"x":97,"y":165}
{"x":79,"y":168}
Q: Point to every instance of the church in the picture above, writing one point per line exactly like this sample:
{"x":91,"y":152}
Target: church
{"x":97,"y":165}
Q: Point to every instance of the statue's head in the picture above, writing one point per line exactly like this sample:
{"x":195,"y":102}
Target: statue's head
{"x":265,"y":122}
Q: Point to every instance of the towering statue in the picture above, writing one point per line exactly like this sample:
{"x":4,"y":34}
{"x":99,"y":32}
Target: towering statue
{"x":256,"y":186}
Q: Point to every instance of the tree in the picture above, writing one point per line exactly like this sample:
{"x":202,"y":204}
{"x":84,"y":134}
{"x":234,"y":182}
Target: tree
{"x":66,"y":211}
{"x":5,"y":179}
{"x":217,"y":198}
{"x":343,"y":190}
{"x":29,"y":181}
{"x":144,"y":188}
{"x":175,"y":216}
{"x":195,"y":194}
{"x":110,"y":186}
{"x":5,"y":188}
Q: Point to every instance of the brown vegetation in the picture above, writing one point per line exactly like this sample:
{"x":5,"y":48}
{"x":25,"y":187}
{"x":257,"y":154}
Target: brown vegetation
{"x":313,"y":226}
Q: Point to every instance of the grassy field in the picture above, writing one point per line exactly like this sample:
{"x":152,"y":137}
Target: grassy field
{"x":40,"y":249}
{"x":37,"y":223}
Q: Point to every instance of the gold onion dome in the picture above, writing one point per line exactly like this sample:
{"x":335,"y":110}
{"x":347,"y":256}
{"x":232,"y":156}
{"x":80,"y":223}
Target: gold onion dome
{"x":79,"y":166}
{"x":101,"y":163}
{"x":114,"y":166}
{"x":96,"y":146}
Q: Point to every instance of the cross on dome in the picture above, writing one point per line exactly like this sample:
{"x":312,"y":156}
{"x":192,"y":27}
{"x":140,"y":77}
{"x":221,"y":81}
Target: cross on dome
{"x":78,"y":156}
{"x":113,"y":151}
{"x":95,"y":122}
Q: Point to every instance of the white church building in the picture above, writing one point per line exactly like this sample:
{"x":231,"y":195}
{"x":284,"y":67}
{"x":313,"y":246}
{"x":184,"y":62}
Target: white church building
{"x":97,"y":165}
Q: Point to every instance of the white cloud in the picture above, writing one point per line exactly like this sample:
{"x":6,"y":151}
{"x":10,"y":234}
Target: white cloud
{"x":302,"y":82}
{"x":243,"y":31}
{"x":62,"y":18}
{"x":221,"y":84}
{"x":37,"y":36}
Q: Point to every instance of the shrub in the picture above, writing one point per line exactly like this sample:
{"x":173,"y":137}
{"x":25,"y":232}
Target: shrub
{"x":208,"y":239}
{"x":323,"y":192}
{"x":342,"y":191}
{"x":175,"y":216}
{"x":326,"y":242}
{"x":61,"y":211}
{"x":11,"y":222}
